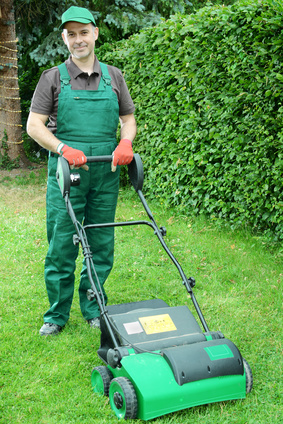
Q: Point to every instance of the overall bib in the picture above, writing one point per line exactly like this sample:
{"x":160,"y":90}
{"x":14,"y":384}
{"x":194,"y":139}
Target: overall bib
{"x":88,"y":121}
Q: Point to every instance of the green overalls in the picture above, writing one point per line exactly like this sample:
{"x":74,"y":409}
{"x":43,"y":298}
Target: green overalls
{"x":88,"y":121}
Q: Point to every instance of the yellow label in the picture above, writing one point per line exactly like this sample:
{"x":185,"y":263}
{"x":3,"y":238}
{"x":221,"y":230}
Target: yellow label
{"x":157,"y":324}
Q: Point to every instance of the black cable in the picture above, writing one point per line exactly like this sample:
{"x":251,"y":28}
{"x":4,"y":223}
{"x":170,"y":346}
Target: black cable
{"x":86,"y":245}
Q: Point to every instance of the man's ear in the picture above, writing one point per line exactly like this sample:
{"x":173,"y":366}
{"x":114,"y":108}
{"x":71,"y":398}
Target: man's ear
{"x":63,"y":36}
{"x":96,"y":32}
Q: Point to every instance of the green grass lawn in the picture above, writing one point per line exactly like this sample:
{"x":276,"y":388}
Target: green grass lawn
{"x":238,"y":286}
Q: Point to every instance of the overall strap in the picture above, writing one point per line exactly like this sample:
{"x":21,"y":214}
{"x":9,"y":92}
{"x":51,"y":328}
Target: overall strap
{"x":105,"y":77}
{"x":104,"y":81}
{"x":64,"y":75}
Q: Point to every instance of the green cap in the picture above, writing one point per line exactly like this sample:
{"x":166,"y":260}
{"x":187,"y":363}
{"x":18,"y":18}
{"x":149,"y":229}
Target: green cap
{"x":77,"y":14}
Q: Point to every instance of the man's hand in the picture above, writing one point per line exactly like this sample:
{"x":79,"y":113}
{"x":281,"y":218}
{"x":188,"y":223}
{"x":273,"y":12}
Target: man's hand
{"x":76,"y":158}
{"x":123,"y":154}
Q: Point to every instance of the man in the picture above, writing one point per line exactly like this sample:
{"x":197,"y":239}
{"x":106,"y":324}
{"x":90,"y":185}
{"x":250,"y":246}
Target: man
{"x":84,"y":101}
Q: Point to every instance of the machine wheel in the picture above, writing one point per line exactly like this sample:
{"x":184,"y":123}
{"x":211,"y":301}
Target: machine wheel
{"x":123,"y":398}
{"x":100,"y":380}
{"x":249,"y":376}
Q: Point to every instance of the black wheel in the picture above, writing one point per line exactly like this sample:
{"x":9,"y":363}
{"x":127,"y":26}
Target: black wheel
{"x":249,"y":376}
{"x":135,"y":171}
{"x":123,"y":398}
{"x":63,"y":176}
{"x":100,"y":380}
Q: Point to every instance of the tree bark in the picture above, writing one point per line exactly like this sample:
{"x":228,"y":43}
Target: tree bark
{"x":11,"y":143}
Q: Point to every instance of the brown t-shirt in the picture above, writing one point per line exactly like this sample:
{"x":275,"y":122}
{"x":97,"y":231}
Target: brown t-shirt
{"x":45,"y":97}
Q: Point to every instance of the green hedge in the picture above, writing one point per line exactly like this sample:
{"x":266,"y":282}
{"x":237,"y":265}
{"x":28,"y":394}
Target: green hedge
{"x":208,"y":92}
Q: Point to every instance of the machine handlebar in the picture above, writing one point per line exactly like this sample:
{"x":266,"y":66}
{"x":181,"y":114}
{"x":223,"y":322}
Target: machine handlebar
{"x":107,"y":158}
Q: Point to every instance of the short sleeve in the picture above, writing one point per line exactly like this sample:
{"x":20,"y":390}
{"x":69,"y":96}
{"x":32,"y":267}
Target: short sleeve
{"x":45,"y":97}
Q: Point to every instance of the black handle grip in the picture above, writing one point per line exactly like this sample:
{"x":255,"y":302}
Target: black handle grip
{"x":99,"y":158}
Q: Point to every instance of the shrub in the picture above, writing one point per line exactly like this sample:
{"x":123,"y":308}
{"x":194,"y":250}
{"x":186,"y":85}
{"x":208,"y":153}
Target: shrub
{"x":208,"y":94}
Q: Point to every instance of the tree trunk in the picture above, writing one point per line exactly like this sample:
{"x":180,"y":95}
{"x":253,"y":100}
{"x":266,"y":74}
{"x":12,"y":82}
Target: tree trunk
{"x":11,"y":143}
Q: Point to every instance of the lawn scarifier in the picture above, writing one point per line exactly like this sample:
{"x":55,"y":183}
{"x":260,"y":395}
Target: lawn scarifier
{"x":157,"y":358}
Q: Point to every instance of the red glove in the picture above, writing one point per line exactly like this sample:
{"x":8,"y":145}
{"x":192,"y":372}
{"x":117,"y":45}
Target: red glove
{"x":75,"y":157}
{"x":123,"y":154}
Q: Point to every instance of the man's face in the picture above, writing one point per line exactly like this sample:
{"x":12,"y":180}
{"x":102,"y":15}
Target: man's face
{"x":80,"y":39}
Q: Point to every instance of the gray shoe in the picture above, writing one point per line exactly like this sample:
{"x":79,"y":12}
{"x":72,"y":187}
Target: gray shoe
{"x":94,"y":322}
{"x":49,"y":329}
